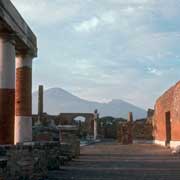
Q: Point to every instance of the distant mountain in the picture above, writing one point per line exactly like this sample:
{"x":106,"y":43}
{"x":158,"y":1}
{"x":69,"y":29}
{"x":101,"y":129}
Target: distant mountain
{"x":57,"y":100}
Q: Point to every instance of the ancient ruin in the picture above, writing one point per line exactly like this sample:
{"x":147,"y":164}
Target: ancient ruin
{"x":90,"y":122}
{"x":69,"y":134}
{"x":40,"y":102}
{"x":124,"y":130}
{"x":166,"y":123}
{"x":20,"y":158}
{"x":36,"y":147}
{"x":143,"y":128}
{"x":18,"y":46}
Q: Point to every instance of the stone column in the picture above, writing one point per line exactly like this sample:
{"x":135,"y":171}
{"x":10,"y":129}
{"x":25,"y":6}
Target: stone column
{"x":130,"y":124}
{"x":40,"y":103}
{"x":95,"y":129}
{"x":7,"y":89}
{"x":130,"y":117}
{"x":23,"y":99}
{"x":95,"y":124}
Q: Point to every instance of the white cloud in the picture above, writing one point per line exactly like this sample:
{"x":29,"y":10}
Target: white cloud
{"x":154,"y":71}
{"x":45,"y":12}
{"x":93,"y":23}
{"x":129,"y":10}
{"x":129,"y":55}
{"x":109,"y":17}
{"x":88,"y":25}
{"x":127,"y":2}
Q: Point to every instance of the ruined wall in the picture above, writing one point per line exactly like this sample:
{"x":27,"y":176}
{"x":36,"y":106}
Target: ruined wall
{"x":68,"y":119}
{"x":45,"y":133}
{"x":45,"y":119}
{"x":142,"y":130}
{"x":150,"y":115}
{"x":168,"y":102}
{"x":32,"y":161}
{"x":70,"y":135}
{"x":124,"y":133}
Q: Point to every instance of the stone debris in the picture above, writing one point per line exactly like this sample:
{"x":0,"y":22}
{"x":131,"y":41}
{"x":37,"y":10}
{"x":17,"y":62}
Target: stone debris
{"x":176,"y":150}
{"x":32,"y":161}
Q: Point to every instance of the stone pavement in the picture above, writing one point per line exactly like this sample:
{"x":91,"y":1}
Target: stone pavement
{"x":112,"y":161}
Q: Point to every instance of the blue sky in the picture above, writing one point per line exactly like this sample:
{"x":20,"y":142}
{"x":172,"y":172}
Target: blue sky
{"x":106,"y":49}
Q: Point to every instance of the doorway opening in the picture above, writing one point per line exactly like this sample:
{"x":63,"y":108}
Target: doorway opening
{"x":168,"y":128}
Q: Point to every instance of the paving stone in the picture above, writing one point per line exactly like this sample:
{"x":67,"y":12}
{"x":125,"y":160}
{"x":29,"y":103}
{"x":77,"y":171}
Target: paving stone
{"x":112,"y":161}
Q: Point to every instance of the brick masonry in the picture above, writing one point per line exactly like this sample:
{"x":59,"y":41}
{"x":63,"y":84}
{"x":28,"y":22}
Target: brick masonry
{"x":23,"y":91}
{"x":168,"y":102}
{"x":142,"y":130}
{"x":7,"y":116}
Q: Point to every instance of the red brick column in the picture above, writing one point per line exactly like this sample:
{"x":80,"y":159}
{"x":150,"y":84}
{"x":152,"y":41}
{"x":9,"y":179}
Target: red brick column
{"x":23,"y":99}
{"x":7,"y":89}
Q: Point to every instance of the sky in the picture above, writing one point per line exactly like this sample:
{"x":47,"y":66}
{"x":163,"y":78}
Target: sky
{"x":106,"y":49}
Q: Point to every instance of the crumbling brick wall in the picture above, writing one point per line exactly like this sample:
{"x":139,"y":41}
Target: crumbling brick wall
{"x":142,"y":130}
{"x":31,"y":161}
{"x":138,"y":130}
{"x":168,"y":102}
{"x":45,"y":133}
{"x":124,"y":133}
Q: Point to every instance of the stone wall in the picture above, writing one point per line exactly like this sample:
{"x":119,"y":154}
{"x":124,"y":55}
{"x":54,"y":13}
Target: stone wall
{"x":124,"y":133}
{"x":107,"y":127}
{"x":110,"y":131}
{"x":138,"y":130}
{"x":150,"y":115}
{"x":142,"y":130}
{"x":45,"y":133}
{"x":32,"y":161}
{"x":69,"y":134}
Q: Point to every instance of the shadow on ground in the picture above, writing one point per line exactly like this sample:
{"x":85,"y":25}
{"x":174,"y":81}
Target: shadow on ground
{"x":111,"y":161}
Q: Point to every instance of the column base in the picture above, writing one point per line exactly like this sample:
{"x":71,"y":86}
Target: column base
{"x":23,"y":129}
{"x":159,"y":142}
{"x":174,"y":144}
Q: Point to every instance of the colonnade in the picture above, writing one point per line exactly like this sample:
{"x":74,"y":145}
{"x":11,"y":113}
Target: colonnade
{"x":15,"y":92}
{"x":18,"y":47}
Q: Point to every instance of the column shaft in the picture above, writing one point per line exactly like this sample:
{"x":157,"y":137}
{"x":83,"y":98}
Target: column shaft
{"x":130,"y":124}
{"x":23,"y":99}
{"x":95,"y":129}
{"x":7,"y":89}
{"x":40,"y":100}
{"x":96,"y":116}
{"x":130,"y":117}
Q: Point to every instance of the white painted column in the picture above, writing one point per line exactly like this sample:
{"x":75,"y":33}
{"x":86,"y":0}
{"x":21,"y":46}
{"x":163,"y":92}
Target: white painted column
{"x":23,"y":98}
{"x":7,"y":88}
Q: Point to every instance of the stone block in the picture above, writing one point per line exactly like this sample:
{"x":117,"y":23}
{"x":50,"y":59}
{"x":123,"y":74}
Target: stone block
{"x":30,"y":161}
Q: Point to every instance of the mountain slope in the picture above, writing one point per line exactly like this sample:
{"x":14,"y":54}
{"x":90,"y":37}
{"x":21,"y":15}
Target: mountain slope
{"x":57,"y":100}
